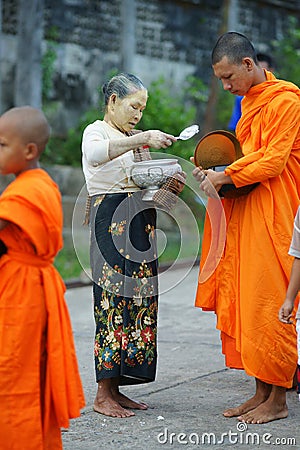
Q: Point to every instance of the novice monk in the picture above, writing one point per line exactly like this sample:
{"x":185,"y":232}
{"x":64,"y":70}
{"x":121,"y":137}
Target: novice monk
{"x":248,"y":285}
{"x":40,"y":387}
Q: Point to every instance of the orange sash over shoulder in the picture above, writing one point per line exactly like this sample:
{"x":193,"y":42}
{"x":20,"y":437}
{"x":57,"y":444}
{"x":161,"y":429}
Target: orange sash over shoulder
{"x":249,"y":284}
{"x":40,"y":386}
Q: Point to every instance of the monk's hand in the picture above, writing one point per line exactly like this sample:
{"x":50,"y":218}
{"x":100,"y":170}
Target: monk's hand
{"x":286,"y":311}
{"x":208,"y":180}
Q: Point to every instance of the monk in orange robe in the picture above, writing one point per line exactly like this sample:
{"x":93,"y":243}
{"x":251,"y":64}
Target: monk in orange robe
{"x":251,"y":275}
{"x":40,"y":386}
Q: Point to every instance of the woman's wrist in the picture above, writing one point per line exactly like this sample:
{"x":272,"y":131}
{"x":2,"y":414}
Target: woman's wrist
{"x":145,"y":135}
{"x":137,"y":140}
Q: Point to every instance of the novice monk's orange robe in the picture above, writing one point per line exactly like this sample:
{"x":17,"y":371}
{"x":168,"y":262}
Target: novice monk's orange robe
{"x":249,"y":284}
{"x":40,"y":387}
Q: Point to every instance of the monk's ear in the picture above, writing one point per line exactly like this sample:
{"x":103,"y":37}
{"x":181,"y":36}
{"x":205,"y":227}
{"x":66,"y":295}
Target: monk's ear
{"x":31,"y":151}
{"x":248,"y":63}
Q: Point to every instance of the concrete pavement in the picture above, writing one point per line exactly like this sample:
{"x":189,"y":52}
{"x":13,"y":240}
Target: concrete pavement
{"x":192,"y":389}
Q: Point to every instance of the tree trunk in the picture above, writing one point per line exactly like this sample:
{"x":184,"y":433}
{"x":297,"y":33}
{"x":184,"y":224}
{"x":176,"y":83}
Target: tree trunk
{"x":28,"y":82}
{"x":128,"y":35}
{"x":210,"y":113}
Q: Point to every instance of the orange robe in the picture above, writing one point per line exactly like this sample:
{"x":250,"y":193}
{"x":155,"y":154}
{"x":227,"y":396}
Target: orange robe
{"x":40,"y":386}
{"x":252,"y":266}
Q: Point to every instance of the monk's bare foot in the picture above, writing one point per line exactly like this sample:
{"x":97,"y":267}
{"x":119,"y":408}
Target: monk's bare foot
{"x":266,"y":412}
{"x":250,"y":404}
{"x":127,"y":402}
{"x":273,"y":408}
{"x":263,"y":391}
{"x":111,"y":408}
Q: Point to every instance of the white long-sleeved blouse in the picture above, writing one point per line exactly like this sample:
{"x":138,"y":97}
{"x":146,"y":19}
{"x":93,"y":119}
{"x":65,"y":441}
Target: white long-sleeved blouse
{"x":103,"y":175}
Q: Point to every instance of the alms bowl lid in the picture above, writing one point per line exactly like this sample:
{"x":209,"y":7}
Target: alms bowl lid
{"x":156,"y":162}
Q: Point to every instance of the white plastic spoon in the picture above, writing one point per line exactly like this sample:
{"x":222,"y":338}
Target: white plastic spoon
{"x":188,"y":132}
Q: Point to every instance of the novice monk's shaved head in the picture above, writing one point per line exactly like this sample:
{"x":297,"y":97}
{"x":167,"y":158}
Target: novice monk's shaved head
{"x":235,"y":47}
{"x":235,"y":64}
{"x":31,"y":124}
{"x":24,"y":133}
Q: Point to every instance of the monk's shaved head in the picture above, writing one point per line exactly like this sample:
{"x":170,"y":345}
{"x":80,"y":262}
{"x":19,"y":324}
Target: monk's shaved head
{"x":234,"y":46}
{"x":30,"y":123}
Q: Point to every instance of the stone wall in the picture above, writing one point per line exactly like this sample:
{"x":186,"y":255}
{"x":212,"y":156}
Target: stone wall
{"x":172,"y":38}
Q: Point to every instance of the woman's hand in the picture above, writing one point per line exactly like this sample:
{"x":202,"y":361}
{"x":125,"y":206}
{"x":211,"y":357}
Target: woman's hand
{"x":158,"y":139}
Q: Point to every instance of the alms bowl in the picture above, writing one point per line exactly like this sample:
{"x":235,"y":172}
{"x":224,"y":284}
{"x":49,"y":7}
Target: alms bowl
{"x":151,"y":174}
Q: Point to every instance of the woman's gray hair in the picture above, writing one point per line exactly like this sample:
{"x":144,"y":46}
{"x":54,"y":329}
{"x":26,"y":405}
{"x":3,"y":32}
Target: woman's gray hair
{"x":122,"y":85}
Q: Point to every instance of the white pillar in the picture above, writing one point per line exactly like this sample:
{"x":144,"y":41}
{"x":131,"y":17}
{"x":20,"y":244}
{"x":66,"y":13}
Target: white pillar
{"x":233,"y":15}
{"x":128,"y":17}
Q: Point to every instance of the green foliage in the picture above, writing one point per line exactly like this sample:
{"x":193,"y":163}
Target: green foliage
{"x":172,"y":112}
{"x":165,"y":111}
{"x":224,"y":109}
{"x":66,"y":151}
{"x":48,"y":60}
{"x":67,"y":264}
{"x":287,"y":52}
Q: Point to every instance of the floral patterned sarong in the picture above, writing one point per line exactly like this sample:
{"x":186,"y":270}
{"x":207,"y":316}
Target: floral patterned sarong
{"x":124,"y":268}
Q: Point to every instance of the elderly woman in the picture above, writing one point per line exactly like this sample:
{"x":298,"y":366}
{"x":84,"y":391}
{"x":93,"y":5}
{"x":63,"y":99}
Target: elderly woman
{"x":123,"y":251}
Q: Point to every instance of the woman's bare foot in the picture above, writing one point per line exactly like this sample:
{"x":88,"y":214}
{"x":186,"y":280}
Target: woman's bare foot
{"x":262,"y":393}
{"x":105,"y":403}
{"x":111,"y":408}
{"x":127,"y":402}
{"x":273,"y":408}
{"x":122,"y":399}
